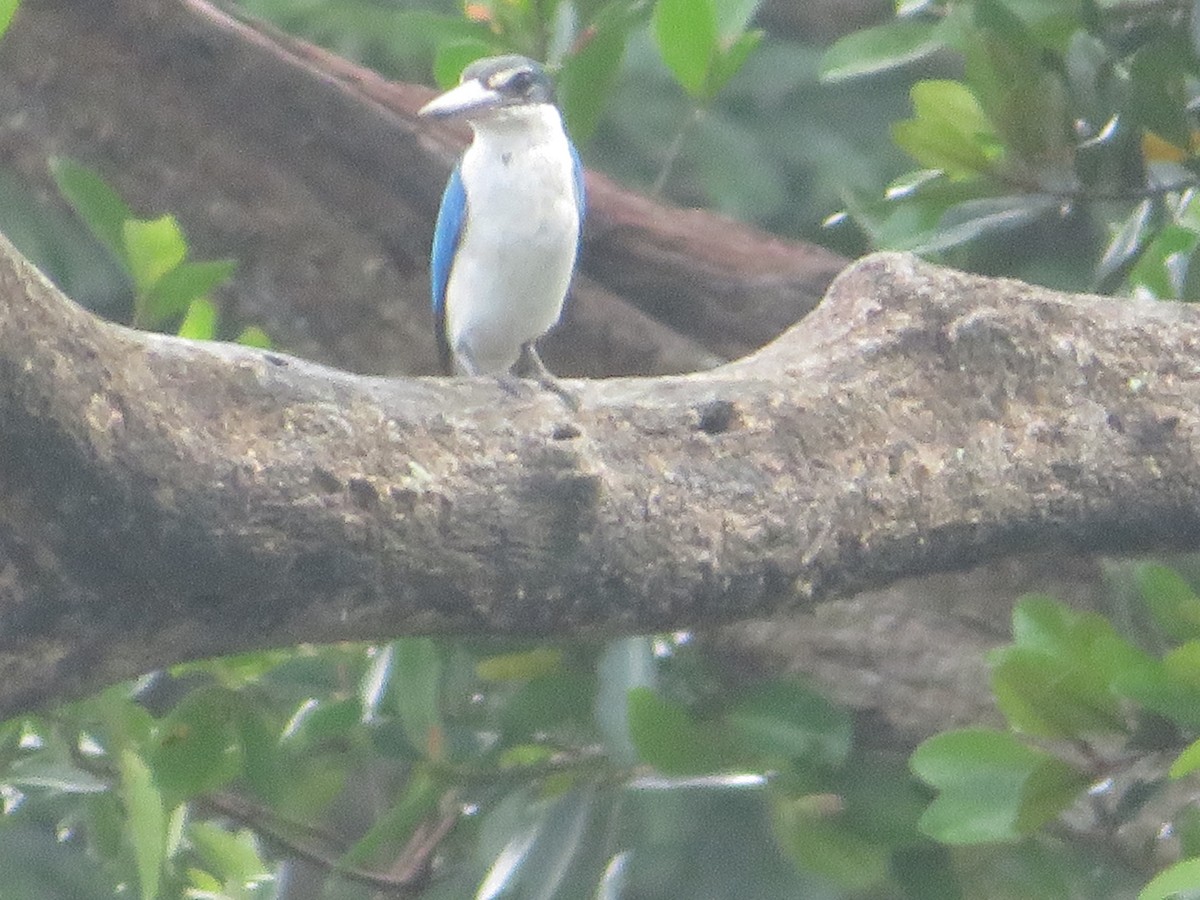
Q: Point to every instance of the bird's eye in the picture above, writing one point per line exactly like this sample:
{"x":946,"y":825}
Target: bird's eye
{"x":521,"y":80}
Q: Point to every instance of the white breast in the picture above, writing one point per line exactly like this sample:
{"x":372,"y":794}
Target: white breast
{"x":517,"y":250}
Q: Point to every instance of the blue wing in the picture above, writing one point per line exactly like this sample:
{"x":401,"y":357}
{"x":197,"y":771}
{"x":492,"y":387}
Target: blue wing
{"x":446,"y":236}
{"x":580,"y":190}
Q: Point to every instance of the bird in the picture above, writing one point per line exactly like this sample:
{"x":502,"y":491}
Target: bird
{"x":508,"y":230}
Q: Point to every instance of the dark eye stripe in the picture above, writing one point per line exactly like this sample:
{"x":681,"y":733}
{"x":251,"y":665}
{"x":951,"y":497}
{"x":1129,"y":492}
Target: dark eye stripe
{"x":517,"y":79}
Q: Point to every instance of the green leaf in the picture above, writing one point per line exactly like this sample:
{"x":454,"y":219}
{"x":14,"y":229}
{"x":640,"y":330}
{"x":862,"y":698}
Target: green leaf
{"x":734,"y":16}
{"x":416,"y":690}
{"x":200,"y":323}
{"x":1187,"y":762}
{"x":786,"y":719}
{"x":153,"y":247}
{"x":685,"y":32}
{"x":587,"y":80}
{"x":145,"y":821}
{"x":818,"y":843}
{"x":991,"y":787}
{"x":100,"y":207}
{"x":520,"y":666}
{"x":7,"y":9}
{"x":949,"y":131}
{"x":1127,"y":240}
{"x":1171,"y":600}
{"x":174,"y":291}
{"x":253,"y":336}
{"x":1159,"y":98}
{"x":1058,"y":679}
{"x":546,"y":702}
{"x":1160,"y":270}
{"x":198,"y":748}
{"x":48,"y":772}
{"x":454,"y":56}
{"x":1181,"y":878}
{"x":879,"y":49}
{"x":233,"y":858}
{"x":395,"y":828}
{"x":973,"y":219}
{"x":667,"y":737}
{"x":728,"y":61}
{"x":322,"y":722}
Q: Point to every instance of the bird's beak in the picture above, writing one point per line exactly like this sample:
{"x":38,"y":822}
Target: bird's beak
{"x":470,"y":96}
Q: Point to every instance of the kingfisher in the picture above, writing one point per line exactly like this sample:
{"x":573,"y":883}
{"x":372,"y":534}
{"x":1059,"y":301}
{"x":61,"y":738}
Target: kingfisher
{"x":508,"y":230}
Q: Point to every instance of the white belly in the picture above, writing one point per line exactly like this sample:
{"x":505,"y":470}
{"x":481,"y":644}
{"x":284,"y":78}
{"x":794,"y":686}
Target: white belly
{"x":516,"y":253}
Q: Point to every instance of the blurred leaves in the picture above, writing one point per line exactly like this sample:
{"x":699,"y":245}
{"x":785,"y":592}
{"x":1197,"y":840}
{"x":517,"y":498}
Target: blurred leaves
{"x":1080,"y":112}
{"x":170,"y":290}
{"x":991,"y":787}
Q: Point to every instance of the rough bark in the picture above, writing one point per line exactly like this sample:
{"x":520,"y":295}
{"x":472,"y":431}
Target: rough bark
{"x":162,"y":499}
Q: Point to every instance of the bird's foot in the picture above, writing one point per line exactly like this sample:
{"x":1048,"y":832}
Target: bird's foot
{"x":530,"y":366}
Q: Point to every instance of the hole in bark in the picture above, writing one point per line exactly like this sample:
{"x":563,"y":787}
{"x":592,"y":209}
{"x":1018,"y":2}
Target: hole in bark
{"x":363,"y":492}
{"x":326,"y":480}
{"x":564,"y":433}
{"x":275,"y":360}
{"x":717,"y":416}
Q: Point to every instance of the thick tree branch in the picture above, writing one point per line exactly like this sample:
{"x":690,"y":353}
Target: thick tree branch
{"x":162,"y":499}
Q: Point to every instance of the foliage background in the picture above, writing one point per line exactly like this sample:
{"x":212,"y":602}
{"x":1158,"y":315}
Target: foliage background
{"x":1051,"y":140}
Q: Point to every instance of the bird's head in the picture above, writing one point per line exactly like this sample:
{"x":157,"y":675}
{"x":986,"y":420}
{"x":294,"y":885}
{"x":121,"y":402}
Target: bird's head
{"x":492,"y":88}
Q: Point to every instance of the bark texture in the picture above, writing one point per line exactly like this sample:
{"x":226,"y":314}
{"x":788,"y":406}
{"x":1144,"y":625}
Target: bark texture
{"x":163,"y":499}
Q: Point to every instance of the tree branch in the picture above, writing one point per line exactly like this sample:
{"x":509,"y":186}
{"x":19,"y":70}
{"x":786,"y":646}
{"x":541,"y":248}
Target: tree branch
{"x":162,"y":499}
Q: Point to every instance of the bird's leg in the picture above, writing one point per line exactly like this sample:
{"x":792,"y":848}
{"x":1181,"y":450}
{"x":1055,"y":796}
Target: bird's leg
{"x":530,"y":365}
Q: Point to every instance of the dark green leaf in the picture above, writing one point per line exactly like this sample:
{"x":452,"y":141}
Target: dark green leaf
{"x":173,"y":292}
{"x":198,"y":748}
{"x":1171,"y":600}
{"x":587,"y":79}
{"x":1160,"y":97}
{"x":730,"y":60}
{"x":455,"y":56}
{"x":100,"y":207}
{"x":786,"y":719}
{"x":814,"y":837}
{"x":880,"y":48}
{"x":667,"y":737}
{"x":973,"y":219}
{"x":546,"y":702}
{"x":395,"y":828}
{"x":322,"y":722}
{"x":416,"y":690}
{"x":686,"y":34}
